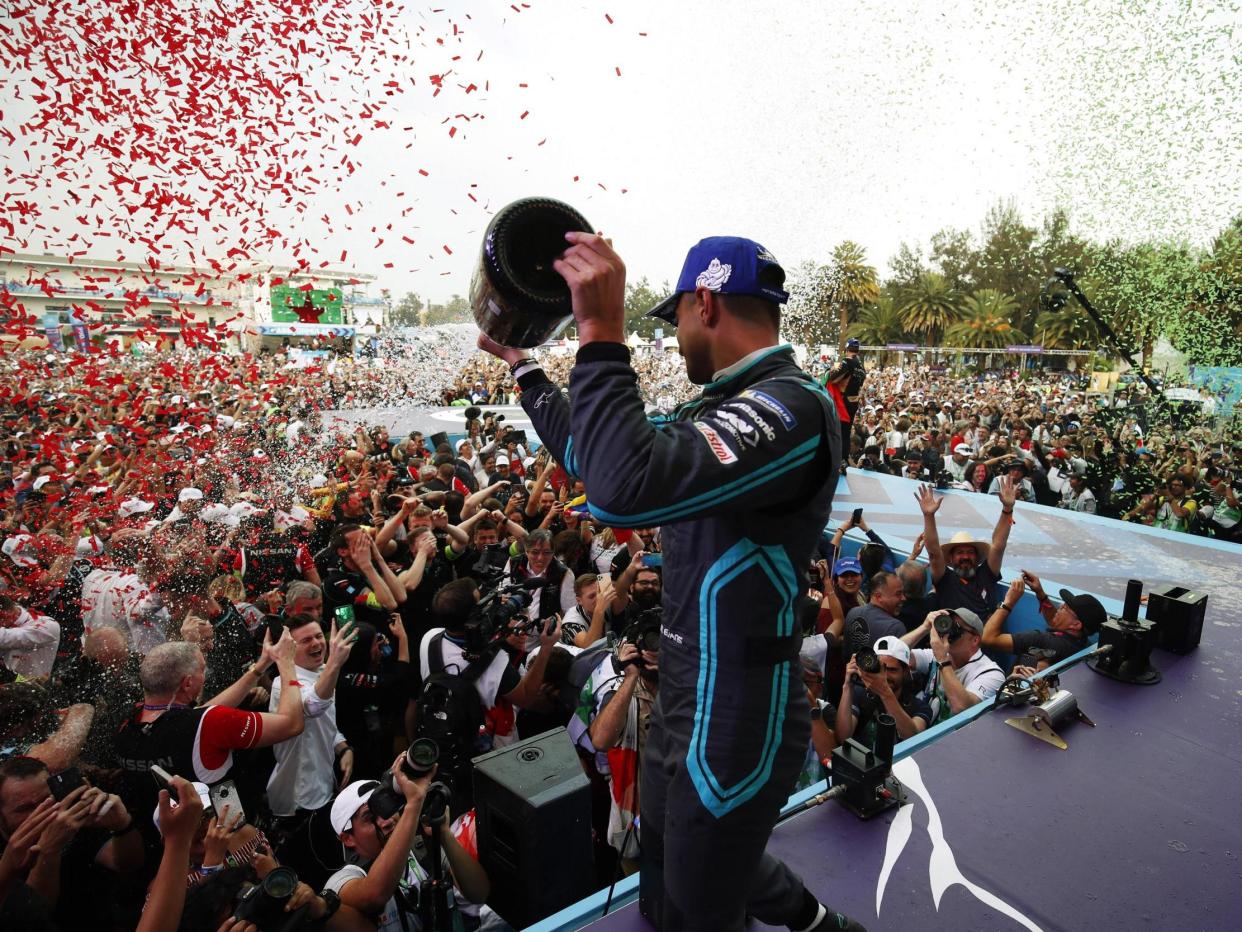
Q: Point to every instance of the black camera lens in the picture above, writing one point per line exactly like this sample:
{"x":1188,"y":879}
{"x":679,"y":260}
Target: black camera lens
{"x":947,"y":627}
{"x":280,"y":883}
{"x":867,"y":659}
{"x":421,"y":757}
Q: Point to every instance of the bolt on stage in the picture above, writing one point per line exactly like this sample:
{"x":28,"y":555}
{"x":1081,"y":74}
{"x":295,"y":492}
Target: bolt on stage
{"x":1136,"y":825}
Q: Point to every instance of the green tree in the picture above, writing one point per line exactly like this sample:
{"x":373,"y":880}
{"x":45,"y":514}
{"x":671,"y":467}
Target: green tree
{"x":640,"y":297}
{"x":930,"y":306}
{"x":986,"y":322}
{"x":905,"y":267}
{"x":1140,"y":290}
{"x":850,"y":284}
{"x":878,"y":323}
{"x":1210,"y":330}
{"x":456,"y":311}
{"x":407,"y":312}
{"x":1068,"y":328}
{"x":1008,"y":262}
{"x":954,"y":255}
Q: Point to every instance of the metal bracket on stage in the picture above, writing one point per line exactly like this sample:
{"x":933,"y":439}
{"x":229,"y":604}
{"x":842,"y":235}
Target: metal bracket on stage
{"x":1053,"y":707}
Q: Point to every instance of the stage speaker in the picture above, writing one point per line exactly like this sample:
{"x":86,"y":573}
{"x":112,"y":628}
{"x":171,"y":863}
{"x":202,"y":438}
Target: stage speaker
{"x":533,"y":816}
{"x":1178,"y":616}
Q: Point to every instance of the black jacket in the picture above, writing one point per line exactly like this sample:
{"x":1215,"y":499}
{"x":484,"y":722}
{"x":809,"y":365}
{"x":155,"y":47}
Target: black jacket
{"x":741,"y":481}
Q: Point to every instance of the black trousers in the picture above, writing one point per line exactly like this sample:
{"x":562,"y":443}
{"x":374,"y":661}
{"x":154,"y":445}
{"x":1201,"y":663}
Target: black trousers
{"x":305,"y":842}
{"x":704,"y":868}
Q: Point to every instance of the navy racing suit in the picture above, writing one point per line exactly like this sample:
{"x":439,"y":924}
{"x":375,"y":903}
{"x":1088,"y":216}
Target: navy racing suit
{"x":740,"y":480}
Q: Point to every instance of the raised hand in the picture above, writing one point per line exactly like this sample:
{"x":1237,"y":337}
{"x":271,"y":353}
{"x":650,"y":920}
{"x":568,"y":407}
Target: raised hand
{"x":360,"y":549}
{"x":1016,"y":588}
{"x":1008,"y":492}
{"x":339,"y":644}
{"x":596,"y":278}
{"x":179,"y":820}
{"x":929,"y":504}
{"x":508,"y":354}
{"x":283,"y":651}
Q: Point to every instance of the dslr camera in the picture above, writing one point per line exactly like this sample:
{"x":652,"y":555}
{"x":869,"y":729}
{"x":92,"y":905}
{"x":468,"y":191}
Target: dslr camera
{"x":868,"y":661}
{"x":947,"y":627}
{"x":387,"y":800}
{"x":263,"y":904}
{"x":644,"y":633}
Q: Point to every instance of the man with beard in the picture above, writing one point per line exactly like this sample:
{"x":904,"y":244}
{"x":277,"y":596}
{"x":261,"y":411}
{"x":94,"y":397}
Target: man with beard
{"x":740,"y":482}
{"x":965,"y":571}
{"x":638,"y":589}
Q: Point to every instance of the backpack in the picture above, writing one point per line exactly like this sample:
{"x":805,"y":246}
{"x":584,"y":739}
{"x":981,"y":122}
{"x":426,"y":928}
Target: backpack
{"x":451,"y":714}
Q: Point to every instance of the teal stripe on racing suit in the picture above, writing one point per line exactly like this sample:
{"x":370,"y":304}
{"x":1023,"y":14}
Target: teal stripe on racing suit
{"x":741,"y":481}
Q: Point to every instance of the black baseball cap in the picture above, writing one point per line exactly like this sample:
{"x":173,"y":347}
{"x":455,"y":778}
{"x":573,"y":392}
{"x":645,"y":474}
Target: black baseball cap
{"x":1088,"y":609}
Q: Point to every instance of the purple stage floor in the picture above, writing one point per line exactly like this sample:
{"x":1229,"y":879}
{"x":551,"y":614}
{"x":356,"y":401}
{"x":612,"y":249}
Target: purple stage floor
{"x":1136,"y":826}
{"x":1131,"y":828}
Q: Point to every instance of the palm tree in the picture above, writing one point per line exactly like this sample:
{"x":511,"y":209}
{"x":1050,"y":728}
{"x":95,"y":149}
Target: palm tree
{"x":986,"y":321}
{"x":930,"y":306}
{"x":1067,"y":328}
{"x":851,"y":283}
{"x":878,"y":323}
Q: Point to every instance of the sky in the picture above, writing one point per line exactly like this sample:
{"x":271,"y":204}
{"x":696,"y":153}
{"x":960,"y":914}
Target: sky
{"x":797,"y":124}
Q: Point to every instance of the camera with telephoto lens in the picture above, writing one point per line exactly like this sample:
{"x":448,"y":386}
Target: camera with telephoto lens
{"x":263,"y":904}
{"x":387,"y":800}
{"x":947,"y":627}
{"x":492,"y":618}
{"x":867,"y":660}
{"x":944,"y":480}
{"x":644,"y":633}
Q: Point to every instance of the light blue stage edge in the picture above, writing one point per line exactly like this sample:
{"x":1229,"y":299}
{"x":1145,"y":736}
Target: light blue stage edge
{"x":1082,"y":553}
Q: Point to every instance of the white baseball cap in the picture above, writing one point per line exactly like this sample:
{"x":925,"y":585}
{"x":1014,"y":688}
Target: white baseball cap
{"x":134,"y":506}
{"x":348,"y":802}
{"x":15,"y":548}
{"x":889,"y":646}
{"x":964,"y":449}
{"x":190,"y":494}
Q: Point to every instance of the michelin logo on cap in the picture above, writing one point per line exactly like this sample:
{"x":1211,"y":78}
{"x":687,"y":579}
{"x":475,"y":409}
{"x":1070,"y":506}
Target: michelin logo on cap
{"x":714,"y":276}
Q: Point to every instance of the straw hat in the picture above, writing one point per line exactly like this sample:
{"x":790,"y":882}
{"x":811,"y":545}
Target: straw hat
{"x":963,"y":537}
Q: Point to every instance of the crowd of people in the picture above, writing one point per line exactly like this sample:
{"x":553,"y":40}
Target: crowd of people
{"x":1122,"y":457}
{"x":222,"y":623}
{"x":211,"y":601}
{"x":486,"y":380}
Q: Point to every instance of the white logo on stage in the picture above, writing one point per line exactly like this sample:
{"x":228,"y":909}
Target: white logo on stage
{"x":715,"y":275}
{"x":943,"y":868}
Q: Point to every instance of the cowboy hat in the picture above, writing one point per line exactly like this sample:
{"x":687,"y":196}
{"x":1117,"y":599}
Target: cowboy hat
{"x":963,"y":537}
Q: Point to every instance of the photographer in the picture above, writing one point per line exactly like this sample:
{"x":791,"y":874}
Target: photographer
{"x":613,"y":716}
{"x":888,"y":689}
{"x":536,"y":562}
{"x":455,"y":607}
{"x":386,"y":880}
{"x":958,"y":673}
